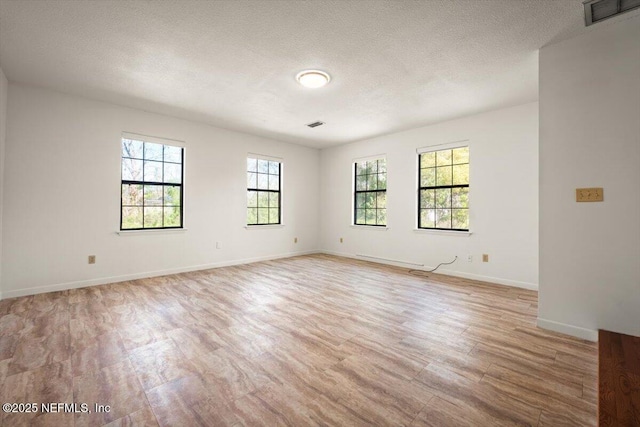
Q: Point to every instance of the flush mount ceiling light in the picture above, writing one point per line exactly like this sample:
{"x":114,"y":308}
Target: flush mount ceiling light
{"x":313,"y":79}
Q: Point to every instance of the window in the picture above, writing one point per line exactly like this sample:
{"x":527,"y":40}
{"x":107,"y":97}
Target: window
{"x":370,"y":193}
{"x":263,"y":191}
{"x":443,"y":199}
{"x":152,"y":193}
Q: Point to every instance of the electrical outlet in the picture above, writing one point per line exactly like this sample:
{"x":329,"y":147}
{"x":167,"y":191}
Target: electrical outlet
{"x":589,"y":194}
{"x":469,"y":258}
{"x":341,"y":240}
{"x":295,"y":240}
{"x":92,"y":259}
{"x":485,"y":257}
{"x":218,"y":245}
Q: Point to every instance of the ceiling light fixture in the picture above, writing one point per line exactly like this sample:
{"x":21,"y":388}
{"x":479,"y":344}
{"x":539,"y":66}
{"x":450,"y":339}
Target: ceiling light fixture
{"x":313,"y":79}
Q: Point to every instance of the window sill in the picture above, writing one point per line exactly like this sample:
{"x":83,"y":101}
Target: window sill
{"x":443,"y":232}
{"x":151,"y":231}
{"x":261,"y":227}
{"x":370,"y":227}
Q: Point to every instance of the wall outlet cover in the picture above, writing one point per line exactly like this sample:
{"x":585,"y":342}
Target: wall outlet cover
{"x":595,"y":194}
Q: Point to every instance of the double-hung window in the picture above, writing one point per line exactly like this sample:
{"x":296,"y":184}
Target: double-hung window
{"x":370,"y":192}
{"x":443,"y":195}
{"x":264,"y":186}
{"x":151,"y":188}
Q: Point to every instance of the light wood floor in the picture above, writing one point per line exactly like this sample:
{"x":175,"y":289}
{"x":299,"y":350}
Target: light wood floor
{"x":313,"y":340}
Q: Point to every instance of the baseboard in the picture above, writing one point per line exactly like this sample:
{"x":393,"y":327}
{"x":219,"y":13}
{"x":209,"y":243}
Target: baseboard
{"x":495,"y":280}
{"x":563,"y":328}
{"x":124,"y":278}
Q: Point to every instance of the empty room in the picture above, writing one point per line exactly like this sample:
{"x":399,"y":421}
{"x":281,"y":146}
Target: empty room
{"x":323,"y":212}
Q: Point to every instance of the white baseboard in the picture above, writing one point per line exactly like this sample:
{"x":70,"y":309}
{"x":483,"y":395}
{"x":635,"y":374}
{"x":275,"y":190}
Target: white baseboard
{"x":496,"y":280}
{"x":563,"y":328}
{"x":123,"y":278}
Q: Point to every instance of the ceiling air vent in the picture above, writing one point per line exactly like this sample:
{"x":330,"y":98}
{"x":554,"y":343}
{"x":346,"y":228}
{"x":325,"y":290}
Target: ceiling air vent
{"x":598,"y":10}
{"x":315,"y":124}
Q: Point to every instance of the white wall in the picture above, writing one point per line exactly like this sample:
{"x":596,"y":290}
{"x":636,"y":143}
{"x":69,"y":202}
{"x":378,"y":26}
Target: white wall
{"x":590,"y":137}
{"x":4,"y":86}
{"x":503,"y":193}
{"x":62,"y":195}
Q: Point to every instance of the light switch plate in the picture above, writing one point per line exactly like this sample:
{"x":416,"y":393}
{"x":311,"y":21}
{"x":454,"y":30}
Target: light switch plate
{"x":589,"y":194}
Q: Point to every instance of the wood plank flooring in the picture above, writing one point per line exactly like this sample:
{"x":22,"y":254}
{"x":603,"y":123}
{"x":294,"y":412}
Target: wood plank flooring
{"x":619,"y":379}
{"x":311,"y":340}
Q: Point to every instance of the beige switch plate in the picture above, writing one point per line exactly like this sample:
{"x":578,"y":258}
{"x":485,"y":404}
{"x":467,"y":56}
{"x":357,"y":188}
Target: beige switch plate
{"x":485,"y":257}
{"x":589,"y":194}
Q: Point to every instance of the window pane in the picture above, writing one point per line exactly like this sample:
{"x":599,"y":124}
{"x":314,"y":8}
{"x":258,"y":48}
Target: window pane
{"x":360,"y":216}
{"x":274,"y":201}
{"x":461,"y":155}
{"x":252,"y":180}
{"x":427,"y":177}
{"x":460,"y":197}
{"x":252,"y":164}
{"x":361,"y":168}
{"x":382,"y":216}
{"x":274,"y":168}
{"x":274,"y":215}
{"x":172,"y":173}
{"x":360,"y":197}
{"x":131,"y":217}
{"x":382,"y":166}
{"x":443,"y":157}
{"x":361,"y":182}
{"x":372,"y":182}
{"x":370,"y":200}
{"x":460,"y":219}
{"x":443,"y":219}
{"x":263,"y":199}
{"x":381,"y":202}
{"x":428,"y":218}
{"x":153,"y":195}
{"x":382,"y":181}
{"x":443,"y":198}
{"x":263,"y":216}
{"x":172,"y":154}
{"x":370,"y":216}
{"x":172,"y":216}
{"x":428,"y":160}
{"x":427,"y":198}
{"x":153,"y":171}
{"x":172,"y":195}
{"x":131,"y":194}
{"x":372,"y":166}
{"x":132,"y":148}
{"x":252,"y":199}
{"x":131,"y":170}
{"x":461,"y":174}
{"x":263,"y":166}
{"x":152,"y":151}
{"x":443,"y":175}
{"x":153,"y":217}
{"x":263,"y":181}
{"x":252,"y":216}
{"x":274,"y":182}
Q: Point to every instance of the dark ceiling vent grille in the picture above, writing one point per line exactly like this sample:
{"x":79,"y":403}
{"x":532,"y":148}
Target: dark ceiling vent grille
{"x":315,"y":124}
{"x":598,"y":10}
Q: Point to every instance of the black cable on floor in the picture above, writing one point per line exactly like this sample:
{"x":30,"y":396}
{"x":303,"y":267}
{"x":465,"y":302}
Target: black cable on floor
{"x":421,"y":272}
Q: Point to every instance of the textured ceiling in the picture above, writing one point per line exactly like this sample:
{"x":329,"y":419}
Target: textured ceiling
{"x":395,"y":64}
